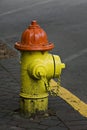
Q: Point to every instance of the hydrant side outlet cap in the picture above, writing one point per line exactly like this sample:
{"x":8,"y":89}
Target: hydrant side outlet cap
{"x":34,"y":38}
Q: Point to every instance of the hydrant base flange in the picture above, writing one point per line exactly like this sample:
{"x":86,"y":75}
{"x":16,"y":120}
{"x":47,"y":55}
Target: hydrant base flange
{"x":30,"y":107}
{"x":27,"y":96}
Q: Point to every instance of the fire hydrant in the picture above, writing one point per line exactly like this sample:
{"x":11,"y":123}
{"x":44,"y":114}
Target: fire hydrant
{"x":38,"y":67}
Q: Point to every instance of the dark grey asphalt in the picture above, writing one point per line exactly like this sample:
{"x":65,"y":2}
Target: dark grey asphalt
{"x":65,"y":22}
{"x":66,"y":25}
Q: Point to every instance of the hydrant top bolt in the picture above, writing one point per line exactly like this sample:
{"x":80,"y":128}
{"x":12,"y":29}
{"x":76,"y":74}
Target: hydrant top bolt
{"x":34,"y":38}
{"x":33,"y":25}
{"x":34,"y":22}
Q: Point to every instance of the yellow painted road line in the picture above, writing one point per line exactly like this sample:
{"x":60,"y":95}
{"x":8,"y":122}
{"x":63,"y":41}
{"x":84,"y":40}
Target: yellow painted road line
{"x":70,"y":98}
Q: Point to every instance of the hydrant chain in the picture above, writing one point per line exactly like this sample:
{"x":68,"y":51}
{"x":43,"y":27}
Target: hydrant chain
{"x":44,"y":79}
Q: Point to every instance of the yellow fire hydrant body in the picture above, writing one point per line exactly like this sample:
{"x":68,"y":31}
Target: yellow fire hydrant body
{"x":38,"y":67}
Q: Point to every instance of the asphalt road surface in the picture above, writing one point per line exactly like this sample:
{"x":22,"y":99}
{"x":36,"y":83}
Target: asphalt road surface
{"x":65,"y":22}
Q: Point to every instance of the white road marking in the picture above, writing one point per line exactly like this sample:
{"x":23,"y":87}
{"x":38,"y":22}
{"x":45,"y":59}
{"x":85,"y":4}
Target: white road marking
{"x":74,"y":56}
{"x":20,"y":9}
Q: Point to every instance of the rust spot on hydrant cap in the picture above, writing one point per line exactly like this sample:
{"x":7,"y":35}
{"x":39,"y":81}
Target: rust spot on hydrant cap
{"x":34,"y":38}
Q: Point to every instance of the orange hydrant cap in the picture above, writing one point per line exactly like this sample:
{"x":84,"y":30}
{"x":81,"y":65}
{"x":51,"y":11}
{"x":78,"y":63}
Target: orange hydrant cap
{"x":34,"y":38}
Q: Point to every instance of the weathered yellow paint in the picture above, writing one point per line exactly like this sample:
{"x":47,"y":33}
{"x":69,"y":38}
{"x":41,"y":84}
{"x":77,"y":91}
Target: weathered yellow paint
{"x":70,"y":98}
{"x":37,"y":68}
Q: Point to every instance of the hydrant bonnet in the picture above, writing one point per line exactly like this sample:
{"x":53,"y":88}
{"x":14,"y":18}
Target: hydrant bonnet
{"x":34,"y":38}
